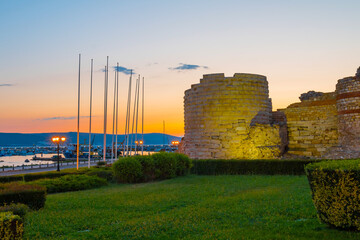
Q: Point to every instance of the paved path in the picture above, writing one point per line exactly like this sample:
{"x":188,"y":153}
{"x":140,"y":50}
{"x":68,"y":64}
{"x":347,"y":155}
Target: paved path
{"x":35,"y":170}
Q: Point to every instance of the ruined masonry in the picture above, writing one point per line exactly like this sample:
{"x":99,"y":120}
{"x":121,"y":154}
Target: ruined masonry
{"x":231,"y":117}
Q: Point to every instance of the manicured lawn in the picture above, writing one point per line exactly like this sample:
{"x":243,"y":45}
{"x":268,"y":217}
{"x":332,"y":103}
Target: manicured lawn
{"x":192,"y":207}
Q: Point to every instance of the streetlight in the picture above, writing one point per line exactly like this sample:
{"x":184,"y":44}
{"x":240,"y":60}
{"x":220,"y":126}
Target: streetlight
{"x":175,"y":143}
{"x":58,"y":140}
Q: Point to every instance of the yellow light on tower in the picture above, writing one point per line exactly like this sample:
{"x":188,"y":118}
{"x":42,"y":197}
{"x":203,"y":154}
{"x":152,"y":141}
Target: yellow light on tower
{"x":136,"y":142}
{"x":141,"y":142}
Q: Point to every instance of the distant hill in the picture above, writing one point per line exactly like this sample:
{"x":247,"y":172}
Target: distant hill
{"x":30,"y":139}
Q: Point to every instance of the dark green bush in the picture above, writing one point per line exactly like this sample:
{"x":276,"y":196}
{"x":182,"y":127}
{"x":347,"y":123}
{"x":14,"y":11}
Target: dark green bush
{"x":165,"y":165}
{"x":19,"y":209}
{"x":35,"y":176}
{"x":127,"y":170}
{"x":71,"y":182}
{"x":30,"y":194}
{"x":335,"y":187}
{"x":249,"y":167}
{"x":11,"y":226}
{"x":101,"y":164}
{"x":148,"y":167}
{"x":108,"y":175}
{"x":183,"y":164}
{"x":14,"y":178}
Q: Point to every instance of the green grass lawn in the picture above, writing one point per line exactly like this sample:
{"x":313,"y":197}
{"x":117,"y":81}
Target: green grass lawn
{"x":192,"y":207}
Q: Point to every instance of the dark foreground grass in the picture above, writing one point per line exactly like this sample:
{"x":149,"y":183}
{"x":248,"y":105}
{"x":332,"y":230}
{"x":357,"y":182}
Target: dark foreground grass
{"x":192,"y":207}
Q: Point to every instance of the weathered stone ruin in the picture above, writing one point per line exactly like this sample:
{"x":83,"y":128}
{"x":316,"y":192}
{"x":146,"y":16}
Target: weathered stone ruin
{"x":231,"y":117}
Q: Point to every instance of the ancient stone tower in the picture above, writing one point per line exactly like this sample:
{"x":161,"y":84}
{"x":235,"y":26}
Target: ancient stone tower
{"x":348,"y":107}
{"x":229,"y":117}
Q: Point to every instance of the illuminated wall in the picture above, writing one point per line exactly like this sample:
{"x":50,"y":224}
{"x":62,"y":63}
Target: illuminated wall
{"x":327,"y":126}
{"x":312,"y":125}
{"x":229,"y":117}
{"x":348,"y":106}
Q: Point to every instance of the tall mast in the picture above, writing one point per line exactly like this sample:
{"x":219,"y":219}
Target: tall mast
{"x":117,"y":108}
{"x":127,"y":126}
{"x":78,"y":120}
{"x":105,"y":104}
{"x":137,"y":112}
{"x":134,"y":113}
{"x":91,"y":80}
{"x":142,"y":119}
{"x":163,"y":132}
{"x":113,"y":125}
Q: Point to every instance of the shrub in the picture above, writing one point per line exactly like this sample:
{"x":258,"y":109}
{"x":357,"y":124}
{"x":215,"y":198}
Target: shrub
{"x":11,"y":226}
{"x":105,"y":174}
{"x":148,"y":167}
{"x":30,"y":194}
{"x":183,"y":164}
{"x":13,"y":178}
{"x":71,"y":183}
{"x":16,"y":208}
{"x":249,"y":167}
{"x":127,"y":170}
{"x":165,"y":165}
{"x":35,"y":176}
{"x":335,"y":187}
{"x":101,"y":164}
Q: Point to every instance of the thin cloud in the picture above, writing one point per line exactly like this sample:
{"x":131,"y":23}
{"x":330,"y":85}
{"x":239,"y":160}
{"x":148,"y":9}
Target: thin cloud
{"x":6,"y":85}
{"x":183,"y":67}
{"x":124,"y":70}
{"x":61,"y":118}
{"x":121,"y":69}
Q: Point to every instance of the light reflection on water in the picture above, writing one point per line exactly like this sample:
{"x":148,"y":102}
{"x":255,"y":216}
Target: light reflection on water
{"x":20,"y":160}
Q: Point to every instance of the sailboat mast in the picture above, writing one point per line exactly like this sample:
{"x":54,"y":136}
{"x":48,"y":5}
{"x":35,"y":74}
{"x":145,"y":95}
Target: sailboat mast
{"x":78,"y":119}
{"x":91,"y":80}
{"x":137,"y":114}
{"x":134,"y":113}
{"x":128,"y":115}
{"x":163,"y":132}
{"x":113,"y":125}
{"x":105,"y":104}
{"x":117,"y":108}
{"x":142,"y":119}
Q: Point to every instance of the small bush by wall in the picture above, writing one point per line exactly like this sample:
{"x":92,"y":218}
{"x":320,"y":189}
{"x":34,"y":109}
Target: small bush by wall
{"x":11,"y":226}
{"x":249,"y":167}
{"x":183,"y":164}
{"x":165,"y":165}
{"x":148,"y":167}
{"x":335,"y":187}
{"x":71,"y":183}
{"x":30,"y":194}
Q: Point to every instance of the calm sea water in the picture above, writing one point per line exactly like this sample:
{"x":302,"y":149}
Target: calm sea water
{"x":20,"y":160}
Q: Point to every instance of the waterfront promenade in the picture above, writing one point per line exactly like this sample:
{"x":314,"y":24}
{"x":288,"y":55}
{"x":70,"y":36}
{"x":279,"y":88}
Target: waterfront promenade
{"x":47,"y":167}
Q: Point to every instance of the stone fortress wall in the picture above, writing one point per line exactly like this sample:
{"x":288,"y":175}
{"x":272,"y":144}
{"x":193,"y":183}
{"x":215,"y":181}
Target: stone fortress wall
{"x":231,"y":117}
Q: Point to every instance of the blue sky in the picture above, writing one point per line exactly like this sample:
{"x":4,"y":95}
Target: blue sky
{"x":298,"y":45}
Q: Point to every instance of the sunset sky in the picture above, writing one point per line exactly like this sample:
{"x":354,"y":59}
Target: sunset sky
{"x":299,"y":45}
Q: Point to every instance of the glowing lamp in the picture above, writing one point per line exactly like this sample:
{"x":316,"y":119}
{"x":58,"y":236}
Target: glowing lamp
{"x":58,"y":140}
